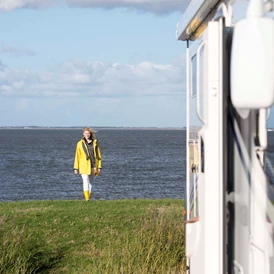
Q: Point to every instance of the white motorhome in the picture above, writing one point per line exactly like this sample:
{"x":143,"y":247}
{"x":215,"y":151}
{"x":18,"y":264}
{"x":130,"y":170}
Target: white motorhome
{"x":230,"y":89}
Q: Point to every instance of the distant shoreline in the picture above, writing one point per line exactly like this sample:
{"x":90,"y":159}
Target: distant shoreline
{"x":97,"y":128}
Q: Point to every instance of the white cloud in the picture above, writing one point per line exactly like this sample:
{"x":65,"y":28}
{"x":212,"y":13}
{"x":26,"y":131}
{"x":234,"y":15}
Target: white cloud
{"x":7,"y":5}
{"x":86,"y":79}
{"x":153,"y":6}
{"x":15,"y":52}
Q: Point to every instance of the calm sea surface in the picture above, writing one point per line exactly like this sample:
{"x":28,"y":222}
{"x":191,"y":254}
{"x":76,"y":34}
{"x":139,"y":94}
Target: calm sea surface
{"x":37,"y":164}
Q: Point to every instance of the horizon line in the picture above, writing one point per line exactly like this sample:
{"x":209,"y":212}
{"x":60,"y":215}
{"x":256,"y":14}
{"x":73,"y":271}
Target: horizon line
{"x":29,"y":127}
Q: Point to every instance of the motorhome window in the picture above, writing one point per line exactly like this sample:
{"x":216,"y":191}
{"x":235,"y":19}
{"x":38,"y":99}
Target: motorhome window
{"x":201,"y":81}
{"x":193,"y":76}
{"x":194,"y":79}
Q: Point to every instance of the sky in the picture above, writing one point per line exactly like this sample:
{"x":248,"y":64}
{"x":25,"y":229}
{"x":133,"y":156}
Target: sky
{"x":91,"y":62}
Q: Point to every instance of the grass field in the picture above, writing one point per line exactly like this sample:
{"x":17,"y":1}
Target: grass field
{"x":104,"y":237}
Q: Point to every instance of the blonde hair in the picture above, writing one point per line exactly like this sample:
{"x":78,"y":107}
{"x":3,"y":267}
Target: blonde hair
{"x":91,"y":131}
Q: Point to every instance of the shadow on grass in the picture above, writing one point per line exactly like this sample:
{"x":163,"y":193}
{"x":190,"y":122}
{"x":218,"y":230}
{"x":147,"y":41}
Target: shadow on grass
{"x":25,"y":253}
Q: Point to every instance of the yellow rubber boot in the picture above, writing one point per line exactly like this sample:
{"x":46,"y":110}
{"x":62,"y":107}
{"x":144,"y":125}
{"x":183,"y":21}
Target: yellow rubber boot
{"x":86,"y":195}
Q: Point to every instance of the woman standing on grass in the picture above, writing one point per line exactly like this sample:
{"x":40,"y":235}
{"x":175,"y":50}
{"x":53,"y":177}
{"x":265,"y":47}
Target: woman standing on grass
{"x":88,"y":160}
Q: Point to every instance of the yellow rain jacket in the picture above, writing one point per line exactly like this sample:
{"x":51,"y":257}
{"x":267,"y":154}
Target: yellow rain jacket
{"x":82,"y":158}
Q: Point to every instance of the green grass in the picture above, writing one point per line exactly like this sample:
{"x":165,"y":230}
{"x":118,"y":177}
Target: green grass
{"x":104,"y":237}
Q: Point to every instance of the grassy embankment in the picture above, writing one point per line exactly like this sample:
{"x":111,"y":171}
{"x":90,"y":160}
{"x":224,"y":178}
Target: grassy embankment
{"x":104,"y":237}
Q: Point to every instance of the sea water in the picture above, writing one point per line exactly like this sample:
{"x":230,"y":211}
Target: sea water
{"x":37,"y":164}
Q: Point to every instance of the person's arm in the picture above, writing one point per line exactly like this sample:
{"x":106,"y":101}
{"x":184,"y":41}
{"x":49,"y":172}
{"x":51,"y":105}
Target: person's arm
{"x":98,"y":158}
{"x":76,"y":160}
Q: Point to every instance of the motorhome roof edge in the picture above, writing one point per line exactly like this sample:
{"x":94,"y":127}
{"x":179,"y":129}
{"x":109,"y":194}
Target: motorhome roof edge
{"x":194,"y":16}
